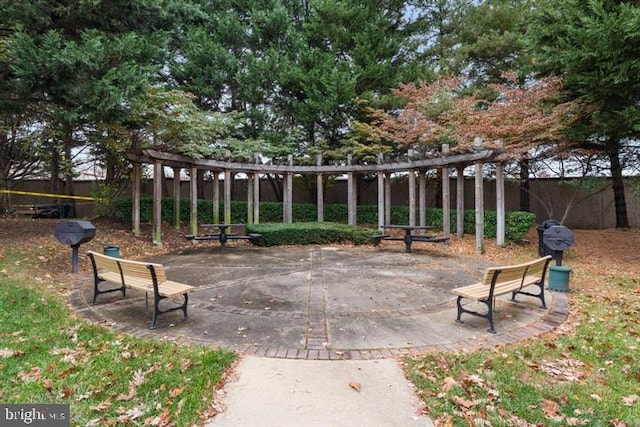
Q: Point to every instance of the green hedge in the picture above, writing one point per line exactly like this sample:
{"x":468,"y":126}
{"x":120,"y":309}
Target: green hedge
{"x":517,"y":223}
{"x":309,"y":233}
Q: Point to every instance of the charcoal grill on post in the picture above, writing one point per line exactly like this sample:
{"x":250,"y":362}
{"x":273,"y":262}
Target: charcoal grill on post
{"x":558,"y":238}
{"x":74,"y":233}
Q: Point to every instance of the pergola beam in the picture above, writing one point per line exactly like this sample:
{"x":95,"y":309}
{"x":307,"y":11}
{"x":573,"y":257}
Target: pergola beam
{"x":169,"y":159}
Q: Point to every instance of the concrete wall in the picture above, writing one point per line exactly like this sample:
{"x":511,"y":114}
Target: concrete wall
{"x":593,"y":209}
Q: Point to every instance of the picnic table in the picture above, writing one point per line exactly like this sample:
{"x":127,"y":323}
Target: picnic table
{"x":222,"y":235}
{"x":409,"y":235}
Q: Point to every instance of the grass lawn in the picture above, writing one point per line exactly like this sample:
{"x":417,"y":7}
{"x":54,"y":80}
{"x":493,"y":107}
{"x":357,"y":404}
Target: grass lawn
{"x":49,"y":356}
{"x":585,"y":374}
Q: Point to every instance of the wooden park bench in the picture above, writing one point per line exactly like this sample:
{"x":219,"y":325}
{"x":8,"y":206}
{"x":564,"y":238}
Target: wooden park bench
{"x":144,"y":276}
{"x":503,"y":280}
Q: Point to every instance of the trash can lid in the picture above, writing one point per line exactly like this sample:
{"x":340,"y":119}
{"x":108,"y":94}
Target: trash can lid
{"x":560,"y":268}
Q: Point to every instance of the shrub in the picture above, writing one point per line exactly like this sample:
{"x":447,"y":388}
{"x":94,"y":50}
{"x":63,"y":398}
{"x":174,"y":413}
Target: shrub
{"x":309,"y":233}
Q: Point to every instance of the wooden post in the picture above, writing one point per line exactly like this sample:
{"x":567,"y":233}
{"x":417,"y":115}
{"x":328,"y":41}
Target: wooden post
{"x":500,"y":209}
{"x":288,"y":194}
{"x":381,"y":204}
{"x":411,"y":182}
{"x":256,"y":194}
{"x":412,"y":197}
{"x":135,"y":199}
{"x":227,"y":196}
{"x":250,"y":197}
{"x":193,"y":198}
{"x":387,"y":198}
{"x":216,"y":197}
{"x":460,"y":202}
{"x":422,"y":199}
{"x":320,"y":191}
{"x":352,"y":202}
{"x":176,"y":197}
{"x":446,"y":197}
{"x":157,"y":203}
{"x":477,"y":142}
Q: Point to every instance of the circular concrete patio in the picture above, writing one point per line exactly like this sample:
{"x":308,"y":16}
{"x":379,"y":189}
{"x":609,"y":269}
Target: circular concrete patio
{"x":322,"y":303}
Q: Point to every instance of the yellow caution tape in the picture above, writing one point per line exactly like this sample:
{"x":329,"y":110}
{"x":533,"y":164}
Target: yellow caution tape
{"x":59,"y":196}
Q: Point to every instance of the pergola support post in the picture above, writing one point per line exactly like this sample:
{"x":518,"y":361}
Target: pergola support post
{"x":387,"y":198}
{"x":381,"y":204}
{"x":351,"y":195}
{"x":227,"y":196}
{"x":460,"y":202}
{"x":135,"y":199}
{"x":256,"y":194}
{"x":216,"y":197}
{"x":411,"y":178}
{"x":422,"y":198}
{"x":446,"y":197}
{"x":176,"y":197}
{"x":500,"y":209}
{"x":319,"y":191}
{"x":193,"y":198}
{"x":250,"y":198}
{"x":479,"y":204}
{"x":288,"y":195}
{"x":157,"y":203}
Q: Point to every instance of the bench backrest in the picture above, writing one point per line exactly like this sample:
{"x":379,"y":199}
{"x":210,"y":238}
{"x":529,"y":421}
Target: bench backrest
{"x":129,"y":268}
{"x":142,"y":270}
{"x":519,"y":272}
{"x":104,"y":262}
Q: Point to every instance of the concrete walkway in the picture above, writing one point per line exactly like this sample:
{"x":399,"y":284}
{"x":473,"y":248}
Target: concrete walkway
{"x":270,"y":392}
{"x":309,"y":321}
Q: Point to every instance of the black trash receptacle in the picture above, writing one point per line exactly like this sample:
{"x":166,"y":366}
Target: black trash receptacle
{"x":544,"y":250}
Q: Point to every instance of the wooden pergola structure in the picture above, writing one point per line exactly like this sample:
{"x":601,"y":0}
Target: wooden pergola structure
{"x":415,"y":169}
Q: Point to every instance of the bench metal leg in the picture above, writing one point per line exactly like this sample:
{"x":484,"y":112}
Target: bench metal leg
{"x":489,"y":315}
{"x":97,"y":291}
{"x":539,"y":294}
{"x":157,"y":311}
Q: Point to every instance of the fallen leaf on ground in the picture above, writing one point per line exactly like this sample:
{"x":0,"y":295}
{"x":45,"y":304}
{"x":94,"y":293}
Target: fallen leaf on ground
{"x":550,"y":409}
{"x":572,"y":421}
{"x":354,"y":385}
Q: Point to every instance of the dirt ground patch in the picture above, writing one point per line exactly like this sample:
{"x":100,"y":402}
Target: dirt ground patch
{"x":597,"y":252}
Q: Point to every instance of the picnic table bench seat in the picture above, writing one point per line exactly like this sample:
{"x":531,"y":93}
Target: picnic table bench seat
{"x":504,"y":280}
{"x":378,"y":237}
{"x":408,"y":238}
{"x":144,"y":276}
{"x":222,"y":235}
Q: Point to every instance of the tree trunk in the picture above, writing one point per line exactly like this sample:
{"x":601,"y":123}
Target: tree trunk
{"x":54,"y":186}
{"x":68,"y":171}
{"x":438,"y":192}
{"x":617,"y":184}
{"x":276,"y":186}
{"x":5,"y":167}
{"x":200,"y":174}
{"x":525,"y":199}
{"x":68,"y":167}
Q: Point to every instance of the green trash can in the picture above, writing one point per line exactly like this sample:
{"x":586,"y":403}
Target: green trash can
{"x":112,"y":251}
{"x":559,"y":278}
